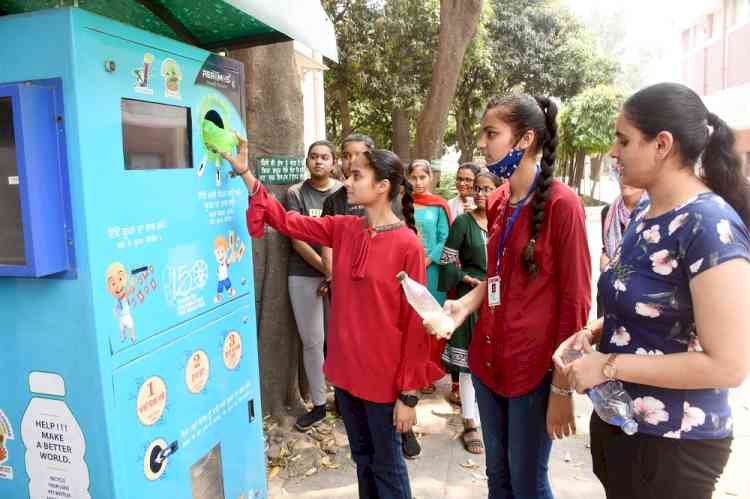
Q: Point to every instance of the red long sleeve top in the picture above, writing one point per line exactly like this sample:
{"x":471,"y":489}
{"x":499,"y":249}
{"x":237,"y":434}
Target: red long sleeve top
{"x":377,"y":345}
{"x":512,"y":346}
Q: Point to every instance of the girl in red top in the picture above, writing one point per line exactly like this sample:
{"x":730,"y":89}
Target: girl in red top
{"x":537,"y":293}
{"x":378,"y":350}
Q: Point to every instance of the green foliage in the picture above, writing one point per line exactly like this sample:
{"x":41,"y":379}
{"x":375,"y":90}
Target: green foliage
{"x":534,"y":46}
{"x":447,"y":189}
{"x":587,"y":122}
{"x":385,"y":59}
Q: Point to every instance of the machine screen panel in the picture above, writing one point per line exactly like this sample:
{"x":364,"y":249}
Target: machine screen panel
{"x":12,"y":250}
{"x":156,"y":136}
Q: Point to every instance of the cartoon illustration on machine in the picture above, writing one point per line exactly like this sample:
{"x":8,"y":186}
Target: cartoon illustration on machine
{"x":129,"y":289}
{"x":227,"y":252}
{"x":118,"y":285}
{"x":172,"y":75}
{"x":216,"y":135}
{"x":142,"y":73}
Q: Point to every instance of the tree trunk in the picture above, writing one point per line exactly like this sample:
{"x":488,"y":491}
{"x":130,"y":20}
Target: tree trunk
{"x":401,"y":136}
{"x":465,"y":136}
{"x":458,"y":24}
{"x":275,"y":124}
{"x":596,"y":172}
{"x":346,"y":117}
{"x":579,"y":167}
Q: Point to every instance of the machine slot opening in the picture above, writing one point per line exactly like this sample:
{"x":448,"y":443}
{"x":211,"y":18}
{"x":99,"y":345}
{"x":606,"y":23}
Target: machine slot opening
{"x":156,"y":136}
{"x":12,"y":249}
{"x":207,"y":476}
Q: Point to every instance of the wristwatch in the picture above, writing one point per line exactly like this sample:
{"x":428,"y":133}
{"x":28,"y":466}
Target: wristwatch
{"x":408,"y":400}
{"x":610,"y":370}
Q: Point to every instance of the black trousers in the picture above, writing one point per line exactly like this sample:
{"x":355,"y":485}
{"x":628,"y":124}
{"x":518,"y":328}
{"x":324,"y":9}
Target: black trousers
{"x":648,"y":467}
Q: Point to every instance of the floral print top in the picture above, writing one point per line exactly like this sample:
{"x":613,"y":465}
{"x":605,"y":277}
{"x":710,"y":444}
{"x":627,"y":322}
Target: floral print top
{"x":649,"y":310}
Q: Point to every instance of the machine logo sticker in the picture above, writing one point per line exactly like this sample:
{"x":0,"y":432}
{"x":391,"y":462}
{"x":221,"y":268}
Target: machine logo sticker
{"x":142,"y":75}
{"x":172,"y":75}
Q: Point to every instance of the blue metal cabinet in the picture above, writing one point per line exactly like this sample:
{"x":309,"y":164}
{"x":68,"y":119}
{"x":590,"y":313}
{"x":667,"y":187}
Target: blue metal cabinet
{"x":35,"y":226}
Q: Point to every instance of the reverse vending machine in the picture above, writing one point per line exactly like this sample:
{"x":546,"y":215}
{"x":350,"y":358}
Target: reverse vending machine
{"x":127,"y":321}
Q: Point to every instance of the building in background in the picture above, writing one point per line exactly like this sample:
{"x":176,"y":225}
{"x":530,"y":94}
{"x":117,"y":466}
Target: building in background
{"x":715,"y":38}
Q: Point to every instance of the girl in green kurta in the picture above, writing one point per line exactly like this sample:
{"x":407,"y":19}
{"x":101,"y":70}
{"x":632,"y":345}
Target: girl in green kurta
{"x":463,"y":266}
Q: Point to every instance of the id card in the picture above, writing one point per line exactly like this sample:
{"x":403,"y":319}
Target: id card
{"x":493,"y":291}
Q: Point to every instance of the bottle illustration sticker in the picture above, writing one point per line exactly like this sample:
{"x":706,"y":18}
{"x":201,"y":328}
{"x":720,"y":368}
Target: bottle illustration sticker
{"x":55,"y":448}
{"x":152,"y":399}
{"x":6,"y":433}
{"x":232,"y":349}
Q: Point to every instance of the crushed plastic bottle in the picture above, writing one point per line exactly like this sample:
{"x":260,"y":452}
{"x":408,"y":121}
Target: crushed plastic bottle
{"x":426,"y":306}
{"x":611,"y":402}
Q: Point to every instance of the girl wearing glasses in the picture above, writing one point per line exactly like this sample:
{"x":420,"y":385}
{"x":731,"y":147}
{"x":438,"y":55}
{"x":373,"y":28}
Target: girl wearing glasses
{"x":463,"y":266}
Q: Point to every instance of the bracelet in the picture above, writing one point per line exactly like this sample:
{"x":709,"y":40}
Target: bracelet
{"x":234,"y":173}
{"x":560,"y":391}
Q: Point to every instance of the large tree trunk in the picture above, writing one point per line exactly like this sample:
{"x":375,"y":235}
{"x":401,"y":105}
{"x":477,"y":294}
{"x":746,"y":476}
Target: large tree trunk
{"x":458,"y":24}
{"x":275,"y":124}
{"x":401,"y":133}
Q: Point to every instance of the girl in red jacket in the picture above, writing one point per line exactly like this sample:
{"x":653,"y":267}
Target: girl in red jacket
{"x":378,"y":350}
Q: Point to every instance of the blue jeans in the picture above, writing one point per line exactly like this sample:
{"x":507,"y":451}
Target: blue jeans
{"x":516,"y":443}
{"x":376,"y":448}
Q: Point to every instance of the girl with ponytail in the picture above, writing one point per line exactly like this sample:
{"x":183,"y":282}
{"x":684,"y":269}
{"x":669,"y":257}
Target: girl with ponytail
{"x":537,"y":293}
{"x":378,"y":349}
{"x":676,"y":295}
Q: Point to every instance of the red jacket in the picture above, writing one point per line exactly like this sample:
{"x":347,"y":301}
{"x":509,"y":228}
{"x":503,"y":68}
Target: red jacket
{"x":512,"y":346}
{"x":377,"y":346}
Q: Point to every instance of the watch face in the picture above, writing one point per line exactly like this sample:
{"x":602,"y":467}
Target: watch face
{"x":609,"y":371}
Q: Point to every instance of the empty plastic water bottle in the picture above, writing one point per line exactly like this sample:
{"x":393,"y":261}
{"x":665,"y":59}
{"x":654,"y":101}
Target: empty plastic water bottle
{"x":611,"y":402}
{"x":426,"y":306}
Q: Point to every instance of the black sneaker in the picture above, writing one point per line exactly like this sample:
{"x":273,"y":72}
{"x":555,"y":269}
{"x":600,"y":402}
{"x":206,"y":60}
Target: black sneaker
{"x":311,"y":419}
{"x":410,"y":446}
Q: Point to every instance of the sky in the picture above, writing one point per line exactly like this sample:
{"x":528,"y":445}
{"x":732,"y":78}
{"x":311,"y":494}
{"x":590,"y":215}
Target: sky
{"x":647,"y":31}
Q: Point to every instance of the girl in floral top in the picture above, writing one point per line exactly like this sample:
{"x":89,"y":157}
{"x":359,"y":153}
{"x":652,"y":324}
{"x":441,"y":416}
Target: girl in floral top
{"x":676,"y":296}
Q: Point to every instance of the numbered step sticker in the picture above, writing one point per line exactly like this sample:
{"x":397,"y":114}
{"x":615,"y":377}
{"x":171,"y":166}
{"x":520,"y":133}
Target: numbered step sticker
{"x":152,"y":400}
{"x":196,"y":372}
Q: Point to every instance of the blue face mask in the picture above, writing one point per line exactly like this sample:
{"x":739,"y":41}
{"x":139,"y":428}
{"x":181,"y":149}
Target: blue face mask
{"x":508,"y":165}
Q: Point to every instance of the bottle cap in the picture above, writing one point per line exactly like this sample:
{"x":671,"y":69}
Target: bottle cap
{"x":629,"y":427}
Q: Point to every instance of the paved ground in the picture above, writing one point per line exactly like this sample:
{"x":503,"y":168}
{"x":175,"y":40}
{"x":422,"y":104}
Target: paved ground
{"x":446,"y":471}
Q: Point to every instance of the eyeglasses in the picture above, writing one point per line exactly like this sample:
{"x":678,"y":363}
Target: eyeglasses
{"x":483,"y":190}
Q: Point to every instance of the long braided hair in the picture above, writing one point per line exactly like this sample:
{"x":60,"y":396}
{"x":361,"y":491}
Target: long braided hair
{"x":524,"y":112}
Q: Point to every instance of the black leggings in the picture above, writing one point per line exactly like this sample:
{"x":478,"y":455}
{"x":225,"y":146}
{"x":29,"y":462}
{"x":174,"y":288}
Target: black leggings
{"x":649,"y":467}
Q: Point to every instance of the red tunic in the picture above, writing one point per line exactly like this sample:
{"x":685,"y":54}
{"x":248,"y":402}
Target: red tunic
{"x":377,"y":346}
{"x":512,"y":346}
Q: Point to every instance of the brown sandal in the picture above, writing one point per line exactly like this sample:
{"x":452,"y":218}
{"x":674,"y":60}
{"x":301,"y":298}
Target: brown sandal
{"x":473,"y":444}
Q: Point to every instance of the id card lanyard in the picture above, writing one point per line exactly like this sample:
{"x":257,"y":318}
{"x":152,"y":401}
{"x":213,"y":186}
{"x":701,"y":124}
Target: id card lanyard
{"x":494,"y":283}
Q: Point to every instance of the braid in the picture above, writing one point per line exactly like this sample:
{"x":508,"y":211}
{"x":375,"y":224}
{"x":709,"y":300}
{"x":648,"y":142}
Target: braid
{"x":407,"y":206}
{"x":548,"y":144}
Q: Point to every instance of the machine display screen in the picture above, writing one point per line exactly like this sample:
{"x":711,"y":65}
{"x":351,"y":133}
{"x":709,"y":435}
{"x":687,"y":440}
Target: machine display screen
{"x":156,"y":136}
{"x":11,"y":227}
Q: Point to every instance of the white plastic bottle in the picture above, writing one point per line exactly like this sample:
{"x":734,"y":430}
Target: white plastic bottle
{"x":426,"y":306}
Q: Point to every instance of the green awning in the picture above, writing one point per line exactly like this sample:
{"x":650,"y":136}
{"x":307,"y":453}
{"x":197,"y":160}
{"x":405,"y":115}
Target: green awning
{"x":211,"y":24}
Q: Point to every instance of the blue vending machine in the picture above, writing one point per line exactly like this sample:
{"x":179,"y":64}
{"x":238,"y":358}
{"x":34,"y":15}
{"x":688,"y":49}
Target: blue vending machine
{"x":127,"y":321}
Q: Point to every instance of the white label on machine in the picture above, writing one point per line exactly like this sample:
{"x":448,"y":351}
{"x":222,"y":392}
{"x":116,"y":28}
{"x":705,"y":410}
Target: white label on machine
{"x":55,"y":447}
{"x":13,"y":180}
